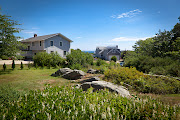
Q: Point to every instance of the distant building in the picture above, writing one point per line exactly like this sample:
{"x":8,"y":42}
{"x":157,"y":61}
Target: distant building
{"x":47,"y":43}
{"x":108,"y":52}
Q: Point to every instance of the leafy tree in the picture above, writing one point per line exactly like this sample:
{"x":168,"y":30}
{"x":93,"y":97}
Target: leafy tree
{"x":114,"y":58}
{"x":9,"y":46}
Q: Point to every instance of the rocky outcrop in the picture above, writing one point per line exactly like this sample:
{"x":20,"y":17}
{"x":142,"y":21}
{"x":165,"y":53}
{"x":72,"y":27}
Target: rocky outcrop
{"x":98,"y":84}
{"x":69,"y":74}
{"x":90,"y":80}
{"x":74,"y":75}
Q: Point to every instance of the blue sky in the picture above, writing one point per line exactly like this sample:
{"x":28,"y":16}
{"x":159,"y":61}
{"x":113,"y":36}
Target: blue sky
{"x":92,"y":23}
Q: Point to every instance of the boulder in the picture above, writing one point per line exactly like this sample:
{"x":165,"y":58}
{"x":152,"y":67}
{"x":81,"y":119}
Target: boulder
{"x":92,"y":71}
{"x":97,"y":85}
{"x":90,"y":80}
{"x":73,"y":75}
{"x":61,"y":72}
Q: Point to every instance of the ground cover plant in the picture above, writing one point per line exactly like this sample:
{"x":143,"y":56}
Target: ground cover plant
{"x":72,"y":103}
{"x":136,"y":80}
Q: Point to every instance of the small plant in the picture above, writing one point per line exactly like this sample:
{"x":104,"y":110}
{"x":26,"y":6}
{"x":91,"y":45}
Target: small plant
{"x":13,"y":65}
{"x":114,"y":58}
{"x":4,"y":67}
{"x":22,"y":66}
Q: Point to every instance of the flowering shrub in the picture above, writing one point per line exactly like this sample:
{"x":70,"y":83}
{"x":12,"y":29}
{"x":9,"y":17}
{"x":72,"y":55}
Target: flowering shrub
{"x":142,"y":83}
{"x":71,"y":103}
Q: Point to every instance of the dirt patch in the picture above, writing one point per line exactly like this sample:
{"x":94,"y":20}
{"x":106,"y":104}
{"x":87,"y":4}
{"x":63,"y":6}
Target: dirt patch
{"x":42,"y":82}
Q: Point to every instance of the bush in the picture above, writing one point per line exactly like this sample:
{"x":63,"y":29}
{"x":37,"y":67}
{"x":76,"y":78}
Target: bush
{"x":79,"y":57}
{"x":100,"y":62}
{"x":3,"y":57}
{"x":44,"y":59}
{"x":114,"y":58}
{"x":143,"y":83}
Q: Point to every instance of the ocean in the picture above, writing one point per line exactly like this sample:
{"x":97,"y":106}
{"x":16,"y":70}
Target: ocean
{"x":89,"y":52}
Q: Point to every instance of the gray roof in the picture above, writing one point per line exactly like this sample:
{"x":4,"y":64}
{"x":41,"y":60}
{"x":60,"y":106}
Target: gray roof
{"x":44,"y":37}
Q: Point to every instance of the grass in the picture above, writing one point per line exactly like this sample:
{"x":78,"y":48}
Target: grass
{"x":29,"y":79}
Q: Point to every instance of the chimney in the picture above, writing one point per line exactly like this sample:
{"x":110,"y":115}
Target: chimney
{"x":117,"y":46}
{"x":35,"y":35}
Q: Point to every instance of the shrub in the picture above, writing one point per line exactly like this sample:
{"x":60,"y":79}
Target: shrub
{"x":143,"y":83}
{"x":4,"y":67}
{"x":13,"y":65}
{"x":79,"y":57}
{"x":114,"y":58}
{"x":3,"y":57}
{"x":22,"y":66}
{"x":100,"y":62}
{"x":71,"y":103}
{"x":44,"y":59}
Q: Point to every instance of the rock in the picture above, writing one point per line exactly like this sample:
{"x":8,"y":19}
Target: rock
{"x":97,"y":85}
{"x":90,"y":80}
{"x":63,"y":71}
{"x":74,"y":75}
{"x":92,"y":71}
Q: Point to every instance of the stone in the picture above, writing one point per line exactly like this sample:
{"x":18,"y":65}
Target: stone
{"x":73,"y":75}
{"x":98,"y":85}
{"x":92,"y":71}
{"x":90,"y":80}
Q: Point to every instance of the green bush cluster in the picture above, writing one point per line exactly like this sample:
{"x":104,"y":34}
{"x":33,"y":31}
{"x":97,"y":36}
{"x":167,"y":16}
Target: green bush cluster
{"x":114,"y":58}
{"x":44,"y":59}
{"x":100,"y":62}
{"x":77,"y":59}
{"x":71,"y":103}
{"x":134,"y":79}
{"x":157,"y":65}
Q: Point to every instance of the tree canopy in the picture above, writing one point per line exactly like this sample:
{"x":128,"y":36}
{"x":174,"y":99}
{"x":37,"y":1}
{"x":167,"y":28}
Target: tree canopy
{"x":9,"y":42}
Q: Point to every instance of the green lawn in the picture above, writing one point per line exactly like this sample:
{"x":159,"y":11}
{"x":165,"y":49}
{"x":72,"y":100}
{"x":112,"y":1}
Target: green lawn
{"x":29,"y":79}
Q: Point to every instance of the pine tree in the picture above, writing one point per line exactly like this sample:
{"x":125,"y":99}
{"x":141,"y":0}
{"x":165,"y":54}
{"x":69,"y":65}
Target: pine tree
{"x":22,"y":66}
{"x":13,"y":65}
{"x":4,"y":67}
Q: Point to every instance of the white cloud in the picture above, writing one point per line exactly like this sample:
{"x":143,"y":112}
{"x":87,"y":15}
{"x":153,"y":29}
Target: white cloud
{"x":78,"y":37}
{"x":129,"y":14}
{"x":129,"y":39}
{"x":34,"y":28}
{"x":28,"y":32}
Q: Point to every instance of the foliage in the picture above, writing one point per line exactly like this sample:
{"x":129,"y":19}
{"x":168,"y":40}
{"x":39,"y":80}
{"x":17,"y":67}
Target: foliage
{"x":19,"y":57}
{"x":71,"y":103}
{"x":3,"y":57}
{"x":4,"y":67}
{"x":13,"y":65}
{"x":44,"y":59}
{"x":114,"y":58}
{"x":142,"y":83}
{"x":8,"y":94}
{"x":22,"y":66}
{"x":80,"y":58}
{"x":10,"y":46}
{"x":100,"y":62}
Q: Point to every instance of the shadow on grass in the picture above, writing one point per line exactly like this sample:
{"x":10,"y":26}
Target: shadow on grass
{"x":2,"y":72}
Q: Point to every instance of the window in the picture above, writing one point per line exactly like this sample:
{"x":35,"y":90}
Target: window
{"x":64,"y":52}
{"x":34,"y":53}
{"x":51,"y":43}
{"x":28,"y":47}
{"x":52,"y":51}
{"x":60,"y":44}
{"x":113,"y":51}
{"x":33,"y":44}
{"x":40,"y":43}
